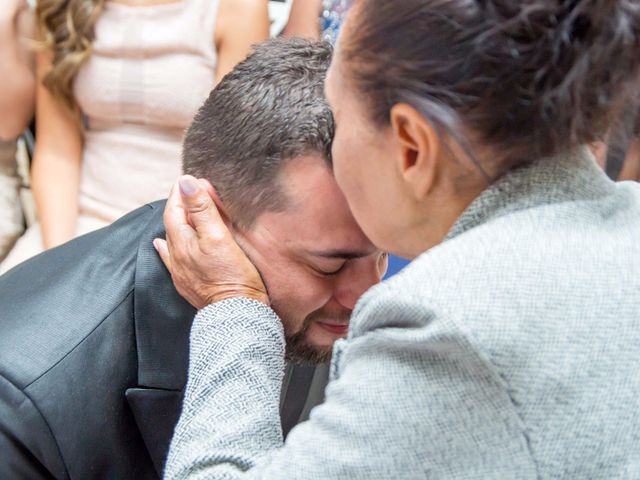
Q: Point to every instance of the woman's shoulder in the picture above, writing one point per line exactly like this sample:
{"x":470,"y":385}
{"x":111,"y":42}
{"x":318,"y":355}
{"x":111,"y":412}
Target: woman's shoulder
{"x":522,"y":267}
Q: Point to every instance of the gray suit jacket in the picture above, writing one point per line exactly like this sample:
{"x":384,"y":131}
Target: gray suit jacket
{"x":510,"y":351}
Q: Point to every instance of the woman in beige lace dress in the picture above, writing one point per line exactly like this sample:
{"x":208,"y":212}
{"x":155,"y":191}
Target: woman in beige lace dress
{"x":117,"y":91}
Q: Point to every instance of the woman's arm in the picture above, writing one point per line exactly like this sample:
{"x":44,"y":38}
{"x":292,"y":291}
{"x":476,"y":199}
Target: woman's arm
{"x":240,"y":24}
{"x":411,"y":396}
{"x":56,"y":163}
{"x":16,"y":65}
{"x":304,"y":19}
{"x":403,"y":403}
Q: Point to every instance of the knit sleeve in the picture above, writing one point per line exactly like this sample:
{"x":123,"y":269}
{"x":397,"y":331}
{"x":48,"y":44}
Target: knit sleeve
{"x":230,"y":415}
{"x":410,"y":397}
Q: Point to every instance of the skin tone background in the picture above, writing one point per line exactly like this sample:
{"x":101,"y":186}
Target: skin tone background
{"x":303,"y":19}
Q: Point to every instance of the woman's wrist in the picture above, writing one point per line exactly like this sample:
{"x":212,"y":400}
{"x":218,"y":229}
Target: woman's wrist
{"x":239,"y":292}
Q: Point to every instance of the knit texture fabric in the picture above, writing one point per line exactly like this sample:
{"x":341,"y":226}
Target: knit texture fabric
{"x":510,"y":351}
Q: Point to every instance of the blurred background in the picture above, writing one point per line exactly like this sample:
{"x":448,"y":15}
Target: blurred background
{"x":82,"y":127}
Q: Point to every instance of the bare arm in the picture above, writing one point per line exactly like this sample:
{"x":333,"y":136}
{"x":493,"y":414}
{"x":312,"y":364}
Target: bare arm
{"x":16,"y":65}
{"x":240,"y":24}
{"x":304,"y":19}
{"x":56,"y":163}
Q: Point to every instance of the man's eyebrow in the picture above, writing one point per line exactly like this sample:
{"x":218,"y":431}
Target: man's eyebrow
{"x":342,"y":254}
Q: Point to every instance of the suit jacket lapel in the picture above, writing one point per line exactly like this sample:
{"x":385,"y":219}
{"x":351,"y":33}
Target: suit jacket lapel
{"x":156,"y":413}
{"x":162,"y":325}
{"x":162,"y":317}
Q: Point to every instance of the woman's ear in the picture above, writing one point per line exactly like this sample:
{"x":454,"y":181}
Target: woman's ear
{"x":419,"y":149}
{"x":210,"y":189}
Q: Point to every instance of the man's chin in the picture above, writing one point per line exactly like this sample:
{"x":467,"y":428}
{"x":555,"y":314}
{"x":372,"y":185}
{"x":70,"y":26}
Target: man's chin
{"x":314,"y":342}
{"x":300,"y":351}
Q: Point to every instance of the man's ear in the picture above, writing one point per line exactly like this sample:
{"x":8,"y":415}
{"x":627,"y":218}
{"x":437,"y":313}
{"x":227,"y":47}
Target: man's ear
{"x":210,"y":189}
{"x":419,"y":149}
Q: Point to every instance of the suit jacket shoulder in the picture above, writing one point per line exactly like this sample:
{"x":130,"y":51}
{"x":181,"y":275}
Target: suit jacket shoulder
{"x":68,"y":353}
{"x":51,"y":303}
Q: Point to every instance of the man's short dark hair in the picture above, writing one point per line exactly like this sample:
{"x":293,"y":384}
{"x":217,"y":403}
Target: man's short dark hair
{"x":270,"y":109}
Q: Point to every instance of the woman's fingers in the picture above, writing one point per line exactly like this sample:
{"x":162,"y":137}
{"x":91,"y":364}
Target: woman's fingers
{"x":175,"y":215}
{"x":205,"y":262}
{"x":163,"y":250}
{"x":202,"y":211}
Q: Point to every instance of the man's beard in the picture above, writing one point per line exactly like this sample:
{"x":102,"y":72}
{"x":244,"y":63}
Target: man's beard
{"x":300,"y":351}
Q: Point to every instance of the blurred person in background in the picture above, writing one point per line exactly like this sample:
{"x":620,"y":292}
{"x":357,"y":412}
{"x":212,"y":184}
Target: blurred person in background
{"x":120,"y":81}
{"x":509,"y":348}
{"x":16,"y":110}
{"x":316,"y":19}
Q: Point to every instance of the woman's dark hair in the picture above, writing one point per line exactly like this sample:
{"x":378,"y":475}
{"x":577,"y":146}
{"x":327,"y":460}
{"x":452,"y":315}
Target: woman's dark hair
{"x":528,"y":77}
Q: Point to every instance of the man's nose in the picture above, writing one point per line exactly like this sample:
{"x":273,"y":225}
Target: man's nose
{"x":356,"y":279}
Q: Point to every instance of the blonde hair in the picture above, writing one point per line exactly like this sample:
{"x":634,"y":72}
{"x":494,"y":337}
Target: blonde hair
{"x":67,"y":28}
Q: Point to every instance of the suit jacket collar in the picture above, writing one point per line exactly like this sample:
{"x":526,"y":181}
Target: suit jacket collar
{"x":156,"y":413}
{"x":162,"y":321}
{"x":162,"y":317}
{"x":569,"y":176}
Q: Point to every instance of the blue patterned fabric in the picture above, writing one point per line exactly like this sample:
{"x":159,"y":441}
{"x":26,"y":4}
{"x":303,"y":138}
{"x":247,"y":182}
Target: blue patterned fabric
{"x":333,"y":13}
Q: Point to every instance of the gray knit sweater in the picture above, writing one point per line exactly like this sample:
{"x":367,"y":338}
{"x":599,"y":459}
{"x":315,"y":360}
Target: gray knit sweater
{"x":510,"y":351}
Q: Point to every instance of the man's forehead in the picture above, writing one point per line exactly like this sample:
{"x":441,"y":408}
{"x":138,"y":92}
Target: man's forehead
{"x":316,"y":219}
{"x":316,"y":233}
{"x":313,"y":195}
{"x":327,"y":234}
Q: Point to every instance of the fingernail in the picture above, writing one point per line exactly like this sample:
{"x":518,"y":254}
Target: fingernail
{"x":188,"y":186}
{"x":155,"y":243}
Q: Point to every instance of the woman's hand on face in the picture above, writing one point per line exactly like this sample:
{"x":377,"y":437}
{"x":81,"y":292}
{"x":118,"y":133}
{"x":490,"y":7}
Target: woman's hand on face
{"x":205,"y":262}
